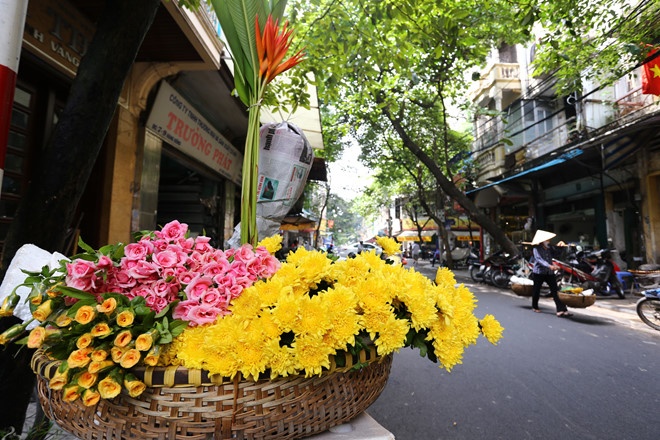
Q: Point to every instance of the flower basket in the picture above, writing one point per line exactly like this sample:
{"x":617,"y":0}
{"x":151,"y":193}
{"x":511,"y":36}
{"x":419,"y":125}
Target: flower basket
{"x":188,"y":404}
{"x":522,"y":289}
{"x":577,"y":301}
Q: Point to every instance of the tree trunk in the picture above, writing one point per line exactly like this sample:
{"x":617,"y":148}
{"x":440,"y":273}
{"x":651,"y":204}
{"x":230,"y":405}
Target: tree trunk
{"x":450,"y":189}
{"x":47,"y":209}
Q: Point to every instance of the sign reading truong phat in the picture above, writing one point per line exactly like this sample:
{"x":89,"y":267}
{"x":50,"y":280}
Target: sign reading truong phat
{"x":176,"y":122}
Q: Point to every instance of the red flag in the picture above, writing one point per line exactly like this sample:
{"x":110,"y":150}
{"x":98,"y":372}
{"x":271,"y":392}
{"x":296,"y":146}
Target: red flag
{"x":651,"y":75}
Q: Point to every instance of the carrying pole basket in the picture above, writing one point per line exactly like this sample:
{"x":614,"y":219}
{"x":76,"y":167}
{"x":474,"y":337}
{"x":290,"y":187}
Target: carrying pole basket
{"x":577,"y":301}
{"x":189,"y":404}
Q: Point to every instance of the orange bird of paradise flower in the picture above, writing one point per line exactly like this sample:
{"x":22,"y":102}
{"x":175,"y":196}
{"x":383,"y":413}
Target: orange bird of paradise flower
{"x":272,"y":46}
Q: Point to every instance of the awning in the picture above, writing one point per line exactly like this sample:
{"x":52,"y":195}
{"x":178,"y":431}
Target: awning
{"x":297,"y":223}
{"x":556,"y":161}
{"x":414,"y":236}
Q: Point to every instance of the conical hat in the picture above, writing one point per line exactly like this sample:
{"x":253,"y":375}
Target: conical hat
{"x":540,"y":237}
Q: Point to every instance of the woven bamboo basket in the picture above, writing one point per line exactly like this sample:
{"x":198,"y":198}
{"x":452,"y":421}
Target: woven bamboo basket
{"x":522,"y":289}
{"x":577,"y":301}
{"x":188,"y":404}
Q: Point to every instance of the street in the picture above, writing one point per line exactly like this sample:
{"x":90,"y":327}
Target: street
{"x":591,"y":376}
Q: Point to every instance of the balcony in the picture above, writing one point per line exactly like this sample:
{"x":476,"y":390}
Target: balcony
{"x":498,"y":79}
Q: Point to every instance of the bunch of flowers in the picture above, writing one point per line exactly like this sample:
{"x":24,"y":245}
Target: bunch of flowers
{"x":312,"y":309}
{"x":104,"y":312}
{"x":168,"y":299}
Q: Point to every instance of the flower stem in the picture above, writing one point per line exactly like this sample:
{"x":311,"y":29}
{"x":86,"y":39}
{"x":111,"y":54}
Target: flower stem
{"x":249,"y":233}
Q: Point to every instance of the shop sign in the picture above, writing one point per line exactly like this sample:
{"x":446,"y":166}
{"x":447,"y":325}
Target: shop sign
{"x":176,"y":122}
{"x":58,"y":32}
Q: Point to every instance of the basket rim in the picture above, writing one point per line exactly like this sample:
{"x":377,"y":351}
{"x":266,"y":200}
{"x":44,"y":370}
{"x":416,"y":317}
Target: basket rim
{"x":180,"y":376}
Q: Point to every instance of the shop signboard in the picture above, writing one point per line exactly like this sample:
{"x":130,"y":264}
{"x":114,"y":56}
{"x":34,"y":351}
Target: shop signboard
{"x":179,"y":124}
{"x":58,"y":33}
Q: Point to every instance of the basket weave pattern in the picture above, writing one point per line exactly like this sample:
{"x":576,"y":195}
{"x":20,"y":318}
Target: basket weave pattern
{"x":577,"y":301}
{"x":286,"y":408}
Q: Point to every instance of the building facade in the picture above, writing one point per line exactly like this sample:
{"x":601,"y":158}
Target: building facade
{"x":585,"y":166}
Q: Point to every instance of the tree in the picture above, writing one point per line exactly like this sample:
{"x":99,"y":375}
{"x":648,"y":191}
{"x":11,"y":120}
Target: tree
{"x":392,"y":65}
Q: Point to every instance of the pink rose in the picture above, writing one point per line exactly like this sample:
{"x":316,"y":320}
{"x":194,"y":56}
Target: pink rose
{"x":166,"y":258}
{"x":182,"y":309}
{"x":142,"y":269}
{"x":172,"y":231}
{"x":202,"y":244}
{"x":202,"y":314}
{"x":136,"y":251}
{"x":244,"y":253}
{"x":198,"y":287}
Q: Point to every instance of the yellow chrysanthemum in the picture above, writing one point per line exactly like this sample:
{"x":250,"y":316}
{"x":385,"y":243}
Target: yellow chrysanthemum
{"x":249,"y":303}
{"x":253,"y":353}
{"x":445,"y":277}
{"x":389,"y":245}
{"x":312,"y":317}
{"x":491,"y":329}
{"x":392,"y":335}
{"x":282,"y":363}
{"x":272,"y":244}
{"x":311,"y":354}
{"x":285,"y":313}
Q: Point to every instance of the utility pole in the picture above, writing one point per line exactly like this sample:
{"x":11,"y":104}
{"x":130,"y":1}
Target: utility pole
{"x":12,"y":22}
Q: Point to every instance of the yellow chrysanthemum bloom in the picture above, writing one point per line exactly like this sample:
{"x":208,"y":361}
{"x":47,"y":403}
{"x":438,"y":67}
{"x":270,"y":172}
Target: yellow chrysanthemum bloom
{"x":491,"y":329}
{"x":282,"y":363}
{"x":389,"y":245}
{"x":445,"y":277}
{"x":312,"y":317}
{"x":392,"y":335}
{"x":272,"y":244}
{"x":285,"y":313}
{"x":311,"y":354}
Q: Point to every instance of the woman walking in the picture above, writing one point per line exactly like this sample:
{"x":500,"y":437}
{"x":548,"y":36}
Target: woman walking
{"x":544,"y":271}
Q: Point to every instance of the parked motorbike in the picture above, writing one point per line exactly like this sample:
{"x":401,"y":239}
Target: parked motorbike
{"x":496,"y":270}
{"x":648,"y":308}
{"x":592,"y":270}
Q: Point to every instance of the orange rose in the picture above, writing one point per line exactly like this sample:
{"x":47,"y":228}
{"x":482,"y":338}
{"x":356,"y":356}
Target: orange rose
{"x":134,"y":386}
{"x":84,"y":340}
{"x":36,"y":300}
{"x":146,"y":340}
{"x":63,"y":320}
{"x":53,"y":292}
{"x":90,"y":397}
{"x":116,"y":353}
{"x":125,"y":318}
{"x":101,"y":330}
{"x":107,"y":306}
{"x":58,"y":380}
{"x":123,"y":338}
{"x":96,"y":367}
{"x":99,"y":355}
{"x":151,"y":359}
{"x":109,"y":388}
{"x":79,"y":358}
{"x":130,"y":358}
{"x":85,"y":315}
{"x":87,"y":379}
{"x":37,"y":337}
{"x":43,"y":311}
{"x":70,"y":393}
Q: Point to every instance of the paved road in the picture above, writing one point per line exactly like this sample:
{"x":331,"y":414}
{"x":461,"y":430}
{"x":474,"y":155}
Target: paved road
{"x":592,"y":376}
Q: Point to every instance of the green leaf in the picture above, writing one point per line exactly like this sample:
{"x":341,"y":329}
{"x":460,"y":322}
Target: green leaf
{"x":85,"y":246}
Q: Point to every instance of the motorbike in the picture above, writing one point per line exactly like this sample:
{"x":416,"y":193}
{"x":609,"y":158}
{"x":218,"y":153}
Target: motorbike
{"x":592,"y":270}
{"x":648,"y":308}
{"x":496,"y":270}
